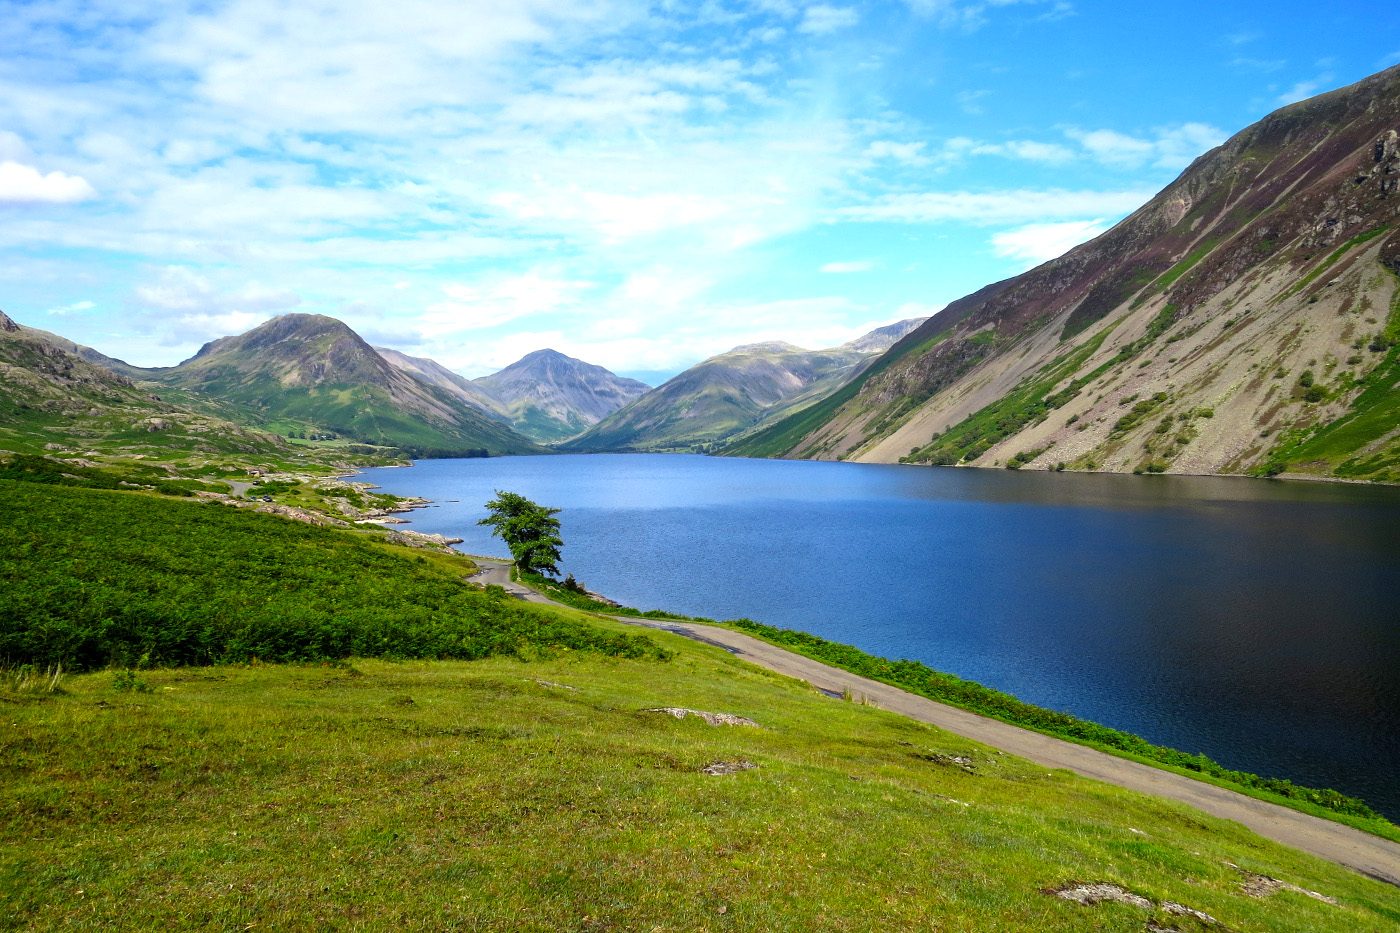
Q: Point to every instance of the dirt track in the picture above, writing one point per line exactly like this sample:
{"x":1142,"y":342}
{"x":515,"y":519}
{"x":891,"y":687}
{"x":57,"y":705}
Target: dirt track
{"x":1370,"y":855}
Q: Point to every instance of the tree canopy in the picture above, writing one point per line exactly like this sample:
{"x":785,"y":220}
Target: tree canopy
{"x":530,"y":531}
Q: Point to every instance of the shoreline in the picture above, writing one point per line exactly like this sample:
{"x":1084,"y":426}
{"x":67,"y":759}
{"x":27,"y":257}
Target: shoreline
{"x":1352,"y":847}
{"x":1205,"y":775}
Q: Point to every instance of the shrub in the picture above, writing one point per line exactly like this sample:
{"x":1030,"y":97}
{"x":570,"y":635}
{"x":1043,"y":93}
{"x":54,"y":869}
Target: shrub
{"x":94,"y":579}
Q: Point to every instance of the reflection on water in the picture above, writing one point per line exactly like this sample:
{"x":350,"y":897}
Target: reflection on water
{"x":1254,"y":621}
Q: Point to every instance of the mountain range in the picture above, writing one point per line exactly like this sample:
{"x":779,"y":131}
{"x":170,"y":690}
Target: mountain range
{"x":734,"y":392}
{"x":308,"y":376}
{"x":1245,"y":320}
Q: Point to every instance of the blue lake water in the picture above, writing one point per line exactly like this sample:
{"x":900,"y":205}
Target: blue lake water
{"x":1255,"y":621}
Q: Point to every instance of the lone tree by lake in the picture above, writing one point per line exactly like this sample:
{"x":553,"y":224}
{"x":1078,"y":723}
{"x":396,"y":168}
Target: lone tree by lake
{"x":530,"y":531}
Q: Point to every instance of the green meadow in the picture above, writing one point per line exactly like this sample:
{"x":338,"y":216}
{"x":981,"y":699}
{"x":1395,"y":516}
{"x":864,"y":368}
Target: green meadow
{"x":512,"y":774}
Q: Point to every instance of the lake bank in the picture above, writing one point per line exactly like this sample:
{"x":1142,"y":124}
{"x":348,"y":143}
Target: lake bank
{"x":1248,"y":621}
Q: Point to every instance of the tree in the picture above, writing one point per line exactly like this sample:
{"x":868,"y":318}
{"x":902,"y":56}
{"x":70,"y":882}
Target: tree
{"x":530,"y":531}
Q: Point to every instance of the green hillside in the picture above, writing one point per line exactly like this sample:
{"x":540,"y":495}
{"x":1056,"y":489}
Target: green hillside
{"x":306,"y":373}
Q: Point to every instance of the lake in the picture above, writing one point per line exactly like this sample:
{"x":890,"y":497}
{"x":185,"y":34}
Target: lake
{"x":1255,"y":621}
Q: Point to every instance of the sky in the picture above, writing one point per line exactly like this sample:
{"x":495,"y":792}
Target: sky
{"x":637,"y":184}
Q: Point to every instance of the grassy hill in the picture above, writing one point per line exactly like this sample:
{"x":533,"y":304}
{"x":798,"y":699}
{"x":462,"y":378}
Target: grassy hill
{"x":54,"y":400}
{"x":309,"y":372}
{"x":532,"y":788}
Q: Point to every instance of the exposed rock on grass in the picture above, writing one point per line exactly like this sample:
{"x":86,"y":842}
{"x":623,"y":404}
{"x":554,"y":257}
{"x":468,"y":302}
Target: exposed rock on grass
{"x":1096,"y":893}
{"x":419,"y":539}
{"x":720,"y":768}
{"x":952,"y":761}
{"x":300,"y":515}
{"x":714,"y":719}
{"x":1181,"y":910}
{"x":1256,"y":885}
{"x":1099,"y":891}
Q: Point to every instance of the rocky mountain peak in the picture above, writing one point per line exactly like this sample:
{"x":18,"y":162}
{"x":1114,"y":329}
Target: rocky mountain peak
{"x":552,"y":396}
{"x":6,"y":324}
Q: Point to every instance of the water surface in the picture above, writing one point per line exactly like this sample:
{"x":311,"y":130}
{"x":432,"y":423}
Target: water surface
{"x":1255,"y":621}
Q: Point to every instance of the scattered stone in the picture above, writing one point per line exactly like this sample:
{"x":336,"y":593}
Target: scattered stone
{"x":1099,"y":891}
{"x":80,"y":462}
{"x":1090,"y":894}
{"x":720,"y":768}
{"x":953,"y":761}
{"x":600,"y":598}
{"x":54,"y":447}
{"x":1256,"y":885}
{"x":550,"y":683}
{"x":714,"y":719}
{"x":1181,"y":910}
{"x":419,"y":539}
{"x":300,"y":515}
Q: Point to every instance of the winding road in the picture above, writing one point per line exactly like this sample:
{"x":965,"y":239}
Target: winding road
{"x":1370,"y":855}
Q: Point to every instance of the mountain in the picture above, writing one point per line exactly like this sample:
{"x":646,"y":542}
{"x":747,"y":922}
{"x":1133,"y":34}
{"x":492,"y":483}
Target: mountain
{"x":311,"y":371}
{"x":1245,"y":320}
{"x":86,"y":353}
{"x":52,"y":399}
{"x":434,"y":373}
{"x":552,"y":397}
{"x":733,"y":392}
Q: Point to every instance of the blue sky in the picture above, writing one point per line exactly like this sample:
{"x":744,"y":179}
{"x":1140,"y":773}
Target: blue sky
{"x":637,"y":184}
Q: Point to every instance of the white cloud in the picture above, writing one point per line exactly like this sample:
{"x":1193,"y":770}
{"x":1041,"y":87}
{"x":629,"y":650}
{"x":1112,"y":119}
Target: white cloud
{"x":354,"y":65}
{"x":498,"y":301}
{"x":179,"y":289}
{"x":822,"y":18}
{"x":1037,"y":243}
{"x":71,"y":308}
{"x":972,"y":14}
{"x":844,"y":268}
{"x":1258,"y":64}
{"x":1029,"y":150}
{"x":907,"y":153}
{"x":1304,"y":89}
{"x":968,"y":101}
{"x":1114,"y":148}
{"x":13,"y":148}
{"x":1170,"y":147}
{"x":995,"y":207}
{"x":24,"y":184}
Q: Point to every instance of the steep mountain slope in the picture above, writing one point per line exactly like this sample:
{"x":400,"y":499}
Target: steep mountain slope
{"x":735,"y":392}
{"x":52,"y":399}
{"x":314,"y":371}
{"x":552,"y":397}
{"x":434,"y":373}
{"x":1244,"y":320}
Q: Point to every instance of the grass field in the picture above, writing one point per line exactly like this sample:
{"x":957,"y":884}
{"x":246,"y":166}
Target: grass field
{"x":533,"y":787}
{"x":501,"y":794}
